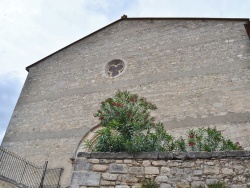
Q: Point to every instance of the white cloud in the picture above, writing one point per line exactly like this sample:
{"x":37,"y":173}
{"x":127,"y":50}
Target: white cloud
{"x":31,"y":30}
{"x":191,"y":8}
{"x":10,"y":88}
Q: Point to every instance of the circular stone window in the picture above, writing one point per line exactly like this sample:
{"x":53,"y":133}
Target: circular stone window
{"x":114,"y":68}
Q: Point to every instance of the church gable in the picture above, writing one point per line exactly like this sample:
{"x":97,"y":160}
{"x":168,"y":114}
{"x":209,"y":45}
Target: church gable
{"x":123,"y":29}
{"x":148,"y":44}
{"x":195,"y":70}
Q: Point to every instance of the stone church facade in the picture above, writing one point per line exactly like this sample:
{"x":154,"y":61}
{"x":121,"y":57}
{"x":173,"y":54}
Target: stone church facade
{"x":197,"y":72}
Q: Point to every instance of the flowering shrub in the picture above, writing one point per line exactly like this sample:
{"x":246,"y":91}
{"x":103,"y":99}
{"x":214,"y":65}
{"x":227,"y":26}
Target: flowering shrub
{"x":209,"y":139}
{"x":127,"y":126}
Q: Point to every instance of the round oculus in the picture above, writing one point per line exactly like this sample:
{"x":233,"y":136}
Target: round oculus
{"x":114,"y":68}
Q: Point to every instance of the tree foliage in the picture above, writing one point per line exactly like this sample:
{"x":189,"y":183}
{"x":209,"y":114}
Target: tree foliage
{"x":128,"y":126}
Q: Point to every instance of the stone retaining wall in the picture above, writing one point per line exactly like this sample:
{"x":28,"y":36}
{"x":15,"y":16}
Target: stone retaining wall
{"x":181,"y":170}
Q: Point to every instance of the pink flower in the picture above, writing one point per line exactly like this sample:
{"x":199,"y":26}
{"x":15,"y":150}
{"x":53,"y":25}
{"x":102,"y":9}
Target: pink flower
{"x":191,"y":135}
{"x":191,"y":144}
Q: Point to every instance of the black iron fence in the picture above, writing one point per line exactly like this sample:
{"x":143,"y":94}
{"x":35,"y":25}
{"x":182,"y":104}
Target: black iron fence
{"x":27,"y":174}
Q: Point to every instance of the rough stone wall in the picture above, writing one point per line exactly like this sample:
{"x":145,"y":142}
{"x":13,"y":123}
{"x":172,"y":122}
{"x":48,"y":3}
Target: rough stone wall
{"x":122,"y":170}
{"x":195,"y":71}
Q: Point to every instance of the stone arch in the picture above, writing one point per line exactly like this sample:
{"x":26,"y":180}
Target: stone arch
{"x":91,"y":136}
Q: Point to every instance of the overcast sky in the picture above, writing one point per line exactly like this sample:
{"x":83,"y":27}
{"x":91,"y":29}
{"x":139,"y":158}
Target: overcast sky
{"x":33,"y":29}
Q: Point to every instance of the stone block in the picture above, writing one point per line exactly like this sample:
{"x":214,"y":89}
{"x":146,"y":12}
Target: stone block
{"x":129,"y":178}
{"x":137,"y":185}
{"x":82,"y":164}
{"x":175,"y":163}
{"x":100,"y":168}
{"x":159,"y":163}
{"x":127,"y":161}
{"x":103,"y":182}
{"x":118,"y":168}
{"x":239,"y":169}
{"x":165,"y":155}
{"x":197,"y":172}
{"x":146,"y":155}
{"x":84,"y":154}
{"x":236,"y":154}
{"x":122,"y":186}
{"x":165,"y":171}
{"x":161,"y":179}
{"x":188,"y":164}
{"x":227,"y":171}
{"x":106,"y":161}
{"x":210,"y":181}
{"x":195,"y":178}
{"x":136,"y":170}
{"x":146,"y":163}
{"x":188,"y":178}
{"x":240,"y":186}
{"x":210,"y":163}
{"x":187,"y":170}
{"x":110,"y":177}
{"x":192,"y":154}
{"x":85,"y":178}
{"x":247,"y":152}
{"x":95,"y":161}
{"x":165,"y":185}
{"x":177,"y":171}
{"x":180,"y":155}
{"x":242,"y":179}
{"x":183,"y":185}
{"x":123,"y":155}
{"x":219,"y":154}
{"x":211,"y":170}
{"x":102,"y":155}
{"x":197,"y":184}
{"x":199,"y":155}
{"x":108,"y":155}
{"x":152,"y":170}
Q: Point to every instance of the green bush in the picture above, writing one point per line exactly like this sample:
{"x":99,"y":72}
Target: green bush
{"x":149,"y":183}
{"x":209,"y":139}
{"x":128,"y":126}
{"x":216,"y":185}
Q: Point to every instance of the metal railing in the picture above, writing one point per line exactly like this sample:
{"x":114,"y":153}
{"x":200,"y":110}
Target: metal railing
{"x":22,"y":172}
{"x":52,"y":178}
